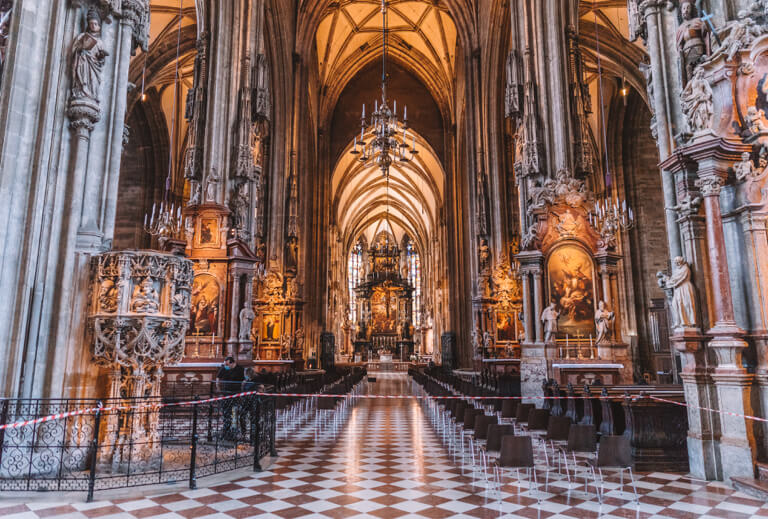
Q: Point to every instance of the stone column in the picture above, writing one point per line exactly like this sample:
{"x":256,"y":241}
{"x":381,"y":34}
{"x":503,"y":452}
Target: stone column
{"x":538,"y":298}
{"x":756,"y":240}
{"x":661,"y":81}
{"x":731,"y":379}
{"x":703,"y":449}
{"x":527,"y":310}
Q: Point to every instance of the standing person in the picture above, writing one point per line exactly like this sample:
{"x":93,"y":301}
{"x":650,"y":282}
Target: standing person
{"x":229,"y":379}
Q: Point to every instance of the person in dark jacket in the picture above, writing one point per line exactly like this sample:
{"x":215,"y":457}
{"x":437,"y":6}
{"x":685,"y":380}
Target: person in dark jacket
{"x":229,"y":380}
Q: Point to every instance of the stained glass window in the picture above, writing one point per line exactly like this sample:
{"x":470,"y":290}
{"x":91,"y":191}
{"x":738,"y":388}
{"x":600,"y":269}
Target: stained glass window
{"x":414,"y":278}
{"x":354,"y":276}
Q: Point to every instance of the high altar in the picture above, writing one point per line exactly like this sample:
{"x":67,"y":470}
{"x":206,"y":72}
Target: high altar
{"x":384,"y":305}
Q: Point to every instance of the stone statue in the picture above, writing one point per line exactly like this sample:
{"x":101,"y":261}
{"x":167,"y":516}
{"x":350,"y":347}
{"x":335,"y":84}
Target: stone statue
{"x":603,"y":323}
{"x":683,"y":306}
{"x":292,"y":254}
{"x":549,"y":317}
{"x":753,"y":120}
{"x":285,"y":346}
{"x":145,"y":299}
{"x":299,"y":341}
{"x":108,"y":296}
{"x":488,"y":342}
{"x":88,"y":54}
{"x":246,"y":320}
{"x":744,"y":169}
{"x":240,"y":206}
{"x":211,"y":188}
{"x":692,"y":40}
{"x":180,"y":303}
{"x":484,"y":255}
{"x":477,"y":344}
{"x":195,"y":192}
{"x":697,"y":103}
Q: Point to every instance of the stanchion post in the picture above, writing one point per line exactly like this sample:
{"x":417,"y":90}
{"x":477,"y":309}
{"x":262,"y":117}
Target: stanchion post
{"x":94,"y":454}
{"x":209,"y":435}
{"x":193,"y":448}
{"x":3,"y":421}
{"x":272,"y":410}
{"x":256,"y":424}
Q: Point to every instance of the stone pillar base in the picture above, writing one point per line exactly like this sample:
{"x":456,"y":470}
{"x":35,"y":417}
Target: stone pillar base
{"x":533,"y":372}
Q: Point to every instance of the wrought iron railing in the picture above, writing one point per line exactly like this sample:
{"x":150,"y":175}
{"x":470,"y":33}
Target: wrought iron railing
{"x":143,"y":442}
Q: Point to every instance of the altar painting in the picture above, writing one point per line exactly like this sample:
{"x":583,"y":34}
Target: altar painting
{"x":505,"y":327}
{"x":204,"y":310}
{"x":384,"y":311}
{"x":271,"y":328}
{"x":571,"y":287}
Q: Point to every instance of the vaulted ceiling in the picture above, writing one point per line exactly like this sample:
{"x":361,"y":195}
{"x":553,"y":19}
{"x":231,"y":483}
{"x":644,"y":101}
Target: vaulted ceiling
{"x":422,"y":37}
{"x":365,"y":203}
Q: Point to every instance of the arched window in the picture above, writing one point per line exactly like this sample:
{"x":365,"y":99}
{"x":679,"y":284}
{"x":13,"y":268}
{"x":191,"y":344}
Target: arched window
{"x":414,"y":278}
{"x":355,"y":277}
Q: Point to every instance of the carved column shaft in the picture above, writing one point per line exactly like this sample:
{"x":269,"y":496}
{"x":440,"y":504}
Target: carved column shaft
{"x":722,"y":303}
{"x":527,"y":309}
{"x":538,"y":305}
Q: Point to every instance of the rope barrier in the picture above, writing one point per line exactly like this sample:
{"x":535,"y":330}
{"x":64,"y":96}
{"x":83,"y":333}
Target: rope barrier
{"x":94,"y":410}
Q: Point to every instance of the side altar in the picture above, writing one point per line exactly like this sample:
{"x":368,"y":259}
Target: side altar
{"x":569,"y":261}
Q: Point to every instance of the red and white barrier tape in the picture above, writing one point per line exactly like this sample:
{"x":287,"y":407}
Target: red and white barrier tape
{"x":729,"y":413}
{"x":94,"y":410}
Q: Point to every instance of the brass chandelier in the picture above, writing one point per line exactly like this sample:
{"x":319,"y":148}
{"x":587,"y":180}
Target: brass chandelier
{"x":389,"y":142}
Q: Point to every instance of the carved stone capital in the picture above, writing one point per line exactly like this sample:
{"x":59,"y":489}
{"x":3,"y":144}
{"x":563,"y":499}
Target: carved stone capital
{"x":83,"y":114}
{"x":647,"y":8}
{"x":136,"y":14}
{"x":710,"y":186}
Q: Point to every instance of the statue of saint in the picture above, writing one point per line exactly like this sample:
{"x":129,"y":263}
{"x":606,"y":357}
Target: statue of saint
{"x":484,"y":254}
{"x":697,"y":102}
{"x":477,"y":344}
{"x":683,"y":306}
{"x":692,"y":40}
{"x":145,"y":298}
{"x":299,"y":342}
{"x":246,"y":320}
{"x":549,"y":317}
{"x":488,"y":342}
{"x":603,"y":323}
{"x":88,"y":55}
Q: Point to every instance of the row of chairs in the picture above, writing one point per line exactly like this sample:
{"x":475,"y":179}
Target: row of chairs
{"x":500,"y":439}
{"x":293,"y":412}
{"x":330,"y":412}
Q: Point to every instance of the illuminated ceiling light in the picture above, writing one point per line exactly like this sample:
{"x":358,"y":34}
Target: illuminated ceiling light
{"x":389,"y":143}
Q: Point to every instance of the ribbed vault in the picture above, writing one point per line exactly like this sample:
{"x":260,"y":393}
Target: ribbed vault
{"x":364,"y":203}
{"x":423,"y":38}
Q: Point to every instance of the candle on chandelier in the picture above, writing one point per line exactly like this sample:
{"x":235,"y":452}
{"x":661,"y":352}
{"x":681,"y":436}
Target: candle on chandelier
{"x":405,"y":113}
{"x":363,"y":110}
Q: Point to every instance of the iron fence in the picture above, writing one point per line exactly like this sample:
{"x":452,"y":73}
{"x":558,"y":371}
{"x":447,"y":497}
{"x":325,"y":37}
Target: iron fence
{"x":146,"y":442}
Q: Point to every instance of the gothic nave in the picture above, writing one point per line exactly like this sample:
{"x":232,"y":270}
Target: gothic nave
{"x":225,"y":221}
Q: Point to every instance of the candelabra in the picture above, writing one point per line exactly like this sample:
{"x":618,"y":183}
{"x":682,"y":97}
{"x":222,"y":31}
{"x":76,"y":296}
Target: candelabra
{"x":609,"y":217}
{"x":389,"y":142}
{"x":165,"y":221}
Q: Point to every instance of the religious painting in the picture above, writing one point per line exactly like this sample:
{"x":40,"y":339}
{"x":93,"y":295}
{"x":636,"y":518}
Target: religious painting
{"x":271,"y":328}
{"x":204,"y":310}
{"x":384,"y":311}
{"x":571,"y":287}
{"x":208,"y":231}
{"x":505,"y":327}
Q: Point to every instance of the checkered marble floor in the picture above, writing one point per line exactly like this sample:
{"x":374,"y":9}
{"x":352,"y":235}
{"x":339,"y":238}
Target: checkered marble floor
{"x":382,"y":459}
